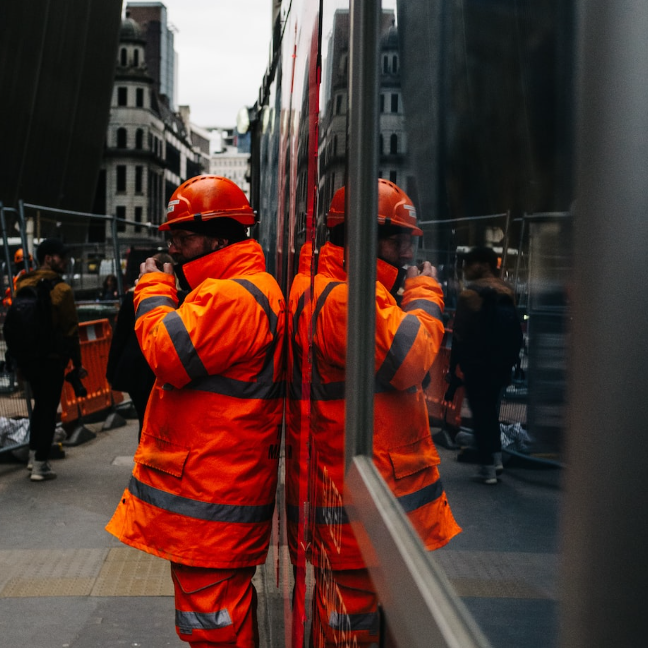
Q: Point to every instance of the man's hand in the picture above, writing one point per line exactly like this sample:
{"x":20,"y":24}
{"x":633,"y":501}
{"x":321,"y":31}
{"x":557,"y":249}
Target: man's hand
{"x":82,"y":372}
{"x":151,"y":265}
{"x":425,"y":269}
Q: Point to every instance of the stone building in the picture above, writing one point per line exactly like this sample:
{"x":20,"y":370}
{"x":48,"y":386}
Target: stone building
{"x":149,"y":149}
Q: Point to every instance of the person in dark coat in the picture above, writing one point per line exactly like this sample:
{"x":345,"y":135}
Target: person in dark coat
{"x":127,"y":369}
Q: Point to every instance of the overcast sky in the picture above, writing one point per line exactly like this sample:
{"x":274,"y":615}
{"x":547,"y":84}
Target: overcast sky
{"x":222,"y":48}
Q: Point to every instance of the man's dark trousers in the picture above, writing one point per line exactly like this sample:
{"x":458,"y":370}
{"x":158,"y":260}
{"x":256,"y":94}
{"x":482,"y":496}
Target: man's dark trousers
{"x":484,"y":393}
{"x":46,"y":381}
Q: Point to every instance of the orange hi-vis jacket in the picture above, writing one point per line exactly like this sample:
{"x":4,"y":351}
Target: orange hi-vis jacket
{"x":202,"y":491}
{"x":298,"y":413}
{"x":407,"y":341}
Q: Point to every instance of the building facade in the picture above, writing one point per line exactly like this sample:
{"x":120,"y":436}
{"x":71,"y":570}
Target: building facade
{"x":149,"y":149}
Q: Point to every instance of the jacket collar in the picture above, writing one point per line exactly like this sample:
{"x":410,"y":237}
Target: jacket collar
{"x":245,"y":257}
{"x":331,"y":263}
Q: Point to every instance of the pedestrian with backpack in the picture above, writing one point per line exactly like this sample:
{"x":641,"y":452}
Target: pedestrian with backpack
{"x":42,"y":334}
{"x":486,"y":343}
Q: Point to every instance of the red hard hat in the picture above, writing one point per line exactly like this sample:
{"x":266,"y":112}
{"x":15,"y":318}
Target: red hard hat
{"x":394,"y":208}
{"x":205,"y":197}
{"x":19,"y":256}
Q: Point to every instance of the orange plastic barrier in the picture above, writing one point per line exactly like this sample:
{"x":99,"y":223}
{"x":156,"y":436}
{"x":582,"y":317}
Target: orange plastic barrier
{"x":95,"y":337}
{"x":439,"y":409}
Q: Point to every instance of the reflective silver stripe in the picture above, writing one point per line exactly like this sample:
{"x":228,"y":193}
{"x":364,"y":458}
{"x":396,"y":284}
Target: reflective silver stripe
{"x":184,"y":346}
{"x":401,"y":345}
{"x":410,"y":502}
{"x":187,"y":622}
{"x":148,"y":304}
{"x":260,"y":299}
{"x":197,"y":509}
{"x":421,"y":497}
{"x":292,"y":513}
{"x":355,"y":622}
{"x":239,"y":388}
{"x":331,"y":515}
{"x":296,"y":381}
{"x":322,"y":392}
{"x":431,"y":308}
{"x":327,"y":391}
{"x":267,"y":372}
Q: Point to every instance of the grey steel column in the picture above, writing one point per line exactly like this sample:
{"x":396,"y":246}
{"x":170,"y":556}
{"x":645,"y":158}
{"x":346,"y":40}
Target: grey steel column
{"x":605,"y":522}
{"x":361,"y":209}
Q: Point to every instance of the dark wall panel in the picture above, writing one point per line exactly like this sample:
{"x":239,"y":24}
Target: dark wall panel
{"x":57,"y":61}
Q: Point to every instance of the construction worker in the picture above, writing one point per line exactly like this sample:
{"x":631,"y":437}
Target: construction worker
{"x":407,"y":341}
{"x":203,"y":488}
{"x":19,"y":271}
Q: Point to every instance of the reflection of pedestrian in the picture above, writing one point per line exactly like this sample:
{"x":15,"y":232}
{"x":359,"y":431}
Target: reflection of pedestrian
{"x":127,"y":369}
{"x":485,"y":367}
{"x":203,"y":488}
{"x":408,"y":337}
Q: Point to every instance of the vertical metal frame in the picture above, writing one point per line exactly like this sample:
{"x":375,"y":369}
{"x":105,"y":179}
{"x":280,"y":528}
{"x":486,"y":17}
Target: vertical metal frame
{"x":604,"y":523}
{"x":420,"y":606}
{"x":361,"y":208}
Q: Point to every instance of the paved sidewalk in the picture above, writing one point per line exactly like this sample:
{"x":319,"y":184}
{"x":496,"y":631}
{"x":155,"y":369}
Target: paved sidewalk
{"x":64,"y":581}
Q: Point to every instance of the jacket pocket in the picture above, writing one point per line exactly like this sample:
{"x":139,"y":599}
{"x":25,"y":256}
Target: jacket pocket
{"x":409,"y":459}
{"x":160,"y":454}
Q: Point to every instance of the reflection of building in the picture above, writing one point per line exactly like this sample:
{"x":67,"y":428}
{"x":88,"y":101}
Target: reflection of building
{"x":149,"y":149}
{"x":230,"y":157}
{"x":393,"y":143}
{"x":333,"y":123}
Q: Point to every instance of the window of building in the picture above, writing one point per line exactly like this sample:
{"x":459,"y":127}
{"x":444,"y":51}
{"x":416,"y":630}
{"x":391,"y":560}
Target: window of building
{"x":138,"y":179}
{"x":120,"y":212}
{"x":393,"y":143}
{"x":338,"y":104}
{"x":122,"y":96}
{"x":121,"y":177}
{"x":393,"y":176}
{"x":139,"y":97}
{"x":121,"y":138}
{"x":382,"y":103}
{"x":138,"y":217}
{"x":385,"y":64}
{"x":123,"y":57}
{"x":395,"y":63}
{"x":139,"y":138}
{"x":381,"y":146}
{"x":136,"y":58}
{"x":394,"y":103}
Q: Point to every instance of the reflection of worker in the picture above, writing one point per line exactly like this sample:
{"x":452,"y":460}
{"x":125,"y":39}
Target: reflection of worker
{"x":18,"y":271}
{"x":407,"y":341}
{"x":203,"y":488}
{"x":298,"y":406}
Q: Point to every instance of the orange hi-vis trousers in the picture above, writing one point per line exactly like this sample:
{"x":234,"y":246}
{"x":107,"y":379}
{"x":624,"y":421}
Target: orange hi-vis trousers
{"x":345,"y":609}
{"x":215,"y":607}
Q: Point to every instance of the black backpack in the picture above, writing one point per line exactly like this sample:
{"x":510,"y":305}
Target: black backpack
{"x":501,"y":336}
{"x":29,"y":326}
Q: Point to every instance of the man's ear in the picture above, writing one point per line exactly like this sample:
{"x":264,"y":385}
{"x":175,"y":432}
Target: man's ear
{"x":219,"y":243}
